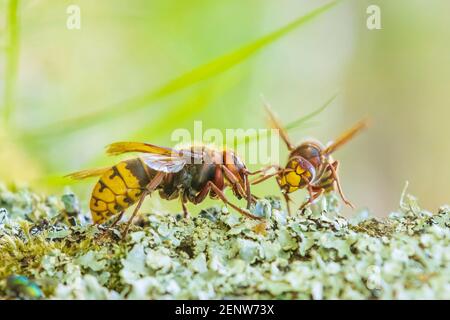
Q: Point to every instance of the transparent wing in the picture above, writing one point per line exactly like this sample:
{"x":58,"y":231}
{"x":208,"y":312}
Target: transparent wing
{"x":164,"y":163}
{"x":157,"y":158}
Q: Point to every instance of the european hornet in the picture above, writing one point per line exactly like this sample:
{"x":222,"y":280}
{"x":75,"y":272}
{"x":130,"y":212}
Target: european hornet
{"x":189,"y":174}
{"x":310,"y":165}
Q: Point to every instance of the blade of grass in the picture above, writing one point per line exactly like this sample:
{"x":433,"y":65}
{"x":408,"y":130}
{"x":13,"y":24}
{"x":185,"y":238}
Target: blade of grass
{"x":12,"y":60}
{"x":195,"y":104}
{"x":190,"y":78}
{"x":189,"y":108}
{"x":301,"y":123}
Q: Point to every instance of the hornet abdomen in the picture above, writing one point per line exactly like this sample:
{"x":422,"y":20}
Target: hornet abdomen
{"x":118,"y":188}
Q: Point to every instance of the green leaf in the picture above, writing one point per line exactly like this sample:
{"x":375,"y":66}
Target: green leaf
{"x":205,"y":71}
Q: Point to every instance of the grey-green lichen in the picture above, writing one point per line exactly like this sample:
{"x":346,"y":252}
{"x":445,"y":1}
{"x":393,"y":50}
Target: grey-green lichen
{"x":317,"y":254}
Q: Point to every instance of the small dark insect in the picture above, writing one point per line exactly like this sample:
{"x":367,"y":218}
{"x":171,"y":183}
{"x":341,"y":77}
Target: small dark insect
{"x":309,"y":165}
{"x":189,"y":174}
{"x":23,"y":288}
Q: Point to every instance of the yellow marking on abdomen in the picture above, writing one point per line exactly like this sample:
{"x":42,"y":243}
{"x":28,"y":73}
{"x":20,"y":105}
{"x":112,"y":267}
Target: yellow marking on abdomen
{"x":134,"y":194}
{"x":116,"y":190}
{"x":114,"y":181}
{"x":130,"y":180}
{"x":124,"y":201}
{"x":114,"y":208}
{"x":102,"y":192}
{"x":98,"y":205}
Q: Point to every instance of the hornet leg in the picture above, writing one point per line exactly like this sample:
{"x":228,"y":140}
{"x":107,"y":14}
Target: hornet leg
{"x":333,"y":167}
{"x":117,"y":220}
{"x":312,"y":196}
{"x":287,"y":200}
{"x":263,"y":170}
{"x":222,"y":196}
{"x":234,"y":180}
{"x":149,"y":189}
{"x":265,"y":176}
{"x":105,"y":232}
{"x":185,"y":210}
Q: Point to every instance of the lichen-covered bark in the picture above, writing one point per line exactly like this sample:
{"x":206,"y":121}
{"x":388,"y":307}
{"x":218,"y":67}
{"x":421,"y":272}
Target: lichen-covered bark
{"x":317,"y":254}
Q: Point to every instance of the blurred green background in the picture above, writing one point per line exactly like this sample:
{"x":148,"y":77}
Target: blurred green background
{"x":74,"y":91}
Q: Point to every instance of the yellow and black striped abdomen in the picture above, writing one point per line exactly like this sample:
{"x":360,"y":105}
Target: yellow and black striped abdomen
{"x":117,"y":189}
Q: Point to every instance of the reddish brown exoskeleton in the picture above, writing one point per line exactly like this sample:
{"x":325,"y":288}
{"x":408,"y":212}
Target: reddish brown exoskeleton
{"x":310,"y":165}
{"x":189,"y":174}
